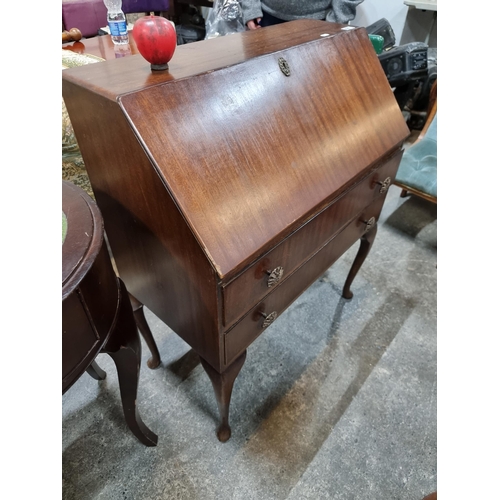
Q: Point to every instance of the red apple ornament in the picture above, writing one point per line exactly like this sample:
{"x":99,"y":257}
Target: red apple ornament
{"x":156,"y":40}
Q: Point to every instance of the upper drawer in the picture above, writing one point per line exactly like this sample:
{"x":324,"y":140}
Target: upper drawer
{"x":257,"y":280}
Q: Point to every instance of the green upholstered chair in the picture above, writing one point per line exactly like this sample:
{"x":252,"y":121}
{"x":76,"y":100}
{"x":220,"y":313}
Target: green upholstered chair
{"x":417,"y":173}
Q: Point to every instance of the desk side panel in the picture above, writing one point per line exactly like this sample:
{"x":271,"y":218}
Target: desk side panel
{"x":156,"y":254}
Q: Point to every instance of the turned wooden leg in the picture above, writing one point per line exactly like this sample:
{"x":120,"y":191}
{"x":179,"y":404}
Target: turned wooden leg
{"x":404,"y":193}
{"x":223,"y":387}
{"x":364,"y":249}
{"x":95,"y":371}
{"x":154,"y":361}
{"x":124,"y":347}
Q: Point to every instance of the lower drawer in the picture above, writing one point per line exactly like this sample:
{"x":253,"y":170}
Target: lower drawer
{"x":238,"y":338}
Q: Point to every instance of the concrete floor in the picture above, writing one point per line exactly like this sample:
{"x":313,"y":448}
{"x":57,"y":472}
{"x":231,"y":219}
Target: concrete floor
{"x":336,"y":400}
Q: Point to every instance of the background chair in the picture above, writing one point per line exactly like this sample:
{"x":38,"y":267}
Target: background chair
{"x":417,"y":173}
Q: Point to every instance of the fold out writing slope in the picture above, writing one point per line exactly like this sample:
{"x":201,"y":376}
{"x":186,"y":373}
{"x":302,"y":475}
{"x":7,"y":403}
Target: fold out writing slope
{"x":232,"y":181}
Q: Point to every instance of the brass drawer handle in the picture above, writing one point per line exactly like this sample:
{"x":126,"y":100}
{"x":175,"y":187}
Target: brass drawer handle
{"x":369,"y":223}
{"x":268,"y":318}
{"x":274,"y":276}
{"x":384,"y":184}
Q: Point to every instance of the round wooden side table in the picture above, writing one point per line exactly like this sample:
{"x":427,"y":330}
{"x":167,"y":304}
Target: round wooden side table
{"x":97,"y":314}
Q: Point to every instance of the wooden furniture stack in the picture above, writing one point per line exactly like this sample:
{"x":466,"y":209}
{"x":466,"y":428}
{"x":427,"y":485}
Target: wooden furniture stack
{"x":232,"y":181}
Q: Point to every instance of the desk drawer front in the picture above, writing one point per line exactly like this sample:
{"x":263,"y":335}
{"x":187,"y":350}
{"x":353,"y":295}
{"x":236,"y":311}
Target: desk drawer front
{"x":251,"y":326}
{"x":260,"y":278}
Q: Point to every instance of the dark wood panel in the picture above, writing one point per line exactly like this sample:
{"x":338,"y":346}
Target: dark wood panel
{"x":99,"y":292}
{"x":80,"y":342}
{"x":250,"y":327}
{"x":248,"y":288}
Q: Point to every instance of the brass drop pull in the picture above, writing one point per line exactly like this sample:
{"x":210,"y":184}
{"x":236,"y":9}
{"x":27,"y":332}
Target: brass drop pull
{"x":369,"y":223}
{"x":274,"y":276}
{"x":268,"y":318}
{"x":384,"y":184}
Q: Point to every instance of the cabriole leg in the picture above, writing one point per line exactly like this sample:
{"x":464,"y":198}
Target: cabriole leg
{"x":364,"y":248}
{"x":154,"y":361}
{"x":124,"y":347}
{"x":223,"y":388}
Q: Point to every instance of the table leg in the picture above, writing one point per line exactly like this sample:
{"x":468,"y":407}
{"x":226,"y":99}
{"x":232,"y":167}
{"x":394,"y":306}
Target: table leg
{"x":124,"y":347}
{"x":364,"y":248}
{"x":223,"y":388}
{"x":95,"y":371}
{"x":154,"y":361}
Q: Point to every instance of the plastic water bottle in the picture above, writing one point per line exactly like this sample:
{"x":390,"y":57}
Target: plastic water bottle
{"x":117,"y":22}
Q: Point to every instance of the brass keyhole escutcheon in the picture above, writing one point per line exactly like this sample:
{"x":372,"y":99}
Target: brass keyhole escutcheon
{"x":284,"y":67}
{"x":268,"y":318}
{"x":274,"y":276}
{"x":369,"y":223}
{"x":384,"y":185}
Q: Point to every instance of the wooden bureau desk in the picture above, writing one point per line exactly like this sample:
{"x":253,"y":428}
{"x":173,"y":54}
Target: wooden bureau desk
{"x":231,"y":182}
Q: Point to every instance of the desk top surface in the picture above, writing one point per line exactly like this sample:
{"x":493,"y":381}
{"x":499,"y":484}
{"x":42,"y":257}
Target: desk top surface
{"x":103,"y":47}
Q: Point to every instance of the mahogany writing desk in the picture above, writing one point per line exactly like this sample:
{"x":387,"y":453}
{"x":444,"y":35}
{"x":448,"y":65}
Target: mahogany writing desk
{"x":232,"y":181}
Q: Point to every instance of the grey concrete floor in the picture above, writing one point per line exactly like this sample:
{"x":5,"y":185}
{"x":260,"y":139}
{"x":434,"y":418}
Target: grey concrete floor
{"x":336,"y":400}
